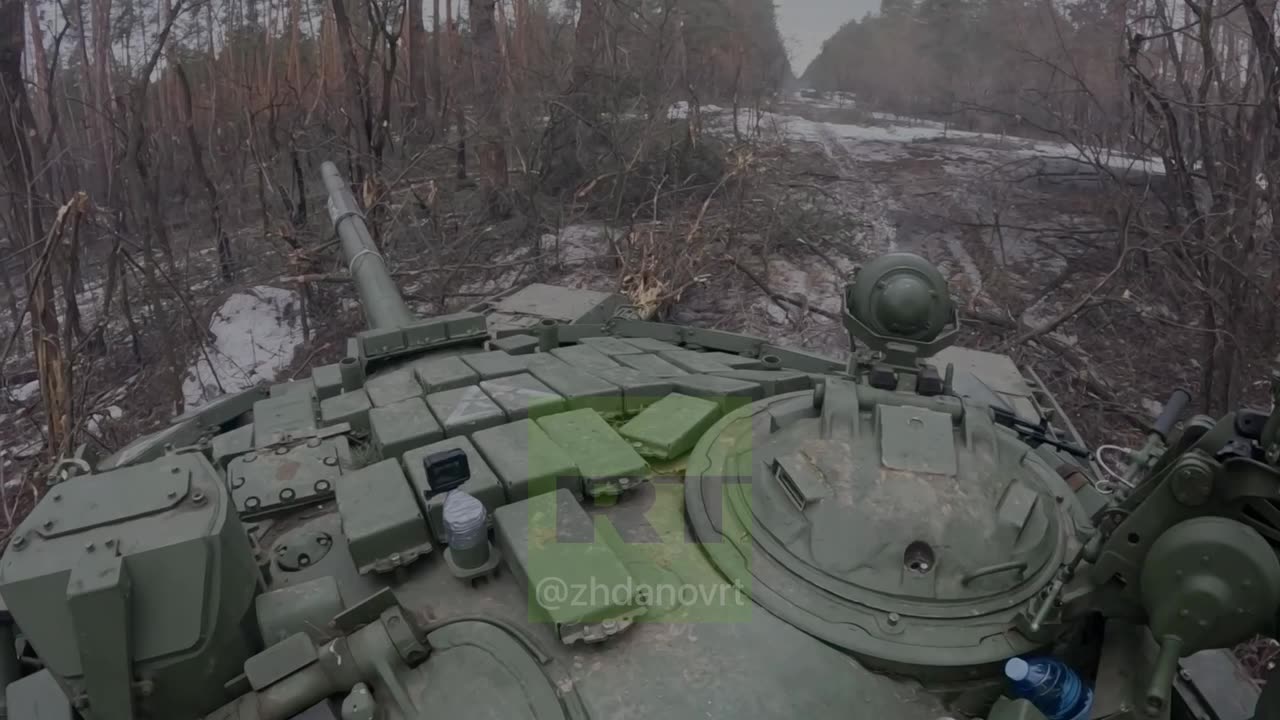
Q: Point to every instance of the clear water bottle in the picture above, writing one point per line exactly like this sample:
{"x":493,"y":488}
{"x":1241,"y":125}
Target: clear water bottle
{"x":1055,"y":689}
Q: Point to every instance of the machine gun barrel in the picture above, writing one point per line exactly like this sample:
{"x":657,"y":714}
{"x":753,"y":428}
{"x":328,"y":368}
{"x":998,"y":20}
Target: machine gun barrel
{"x":1173,"y":409}
{"x":383,"y":305}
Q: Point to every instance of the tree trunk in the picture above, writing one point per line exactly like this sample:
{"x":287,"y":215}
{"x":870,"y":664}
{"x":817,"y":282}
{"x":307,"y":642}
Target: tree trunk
{"x":416,"y":54}
{"x":455,"y":67}
{"x":519,"y":18}
{"x":16,"y":124}
{"x":67,"y":174}
{"x":70,"y":261}
{"x":146,"y":192}
{"x":486,"y":70}
{"x":504,"y":54}
{"x":571,"y":119}
{"x":11,"y":294}
{"x":126,"y":308}
{"x":380,"y":127}
{"x":100,"y":79}
{"x":41,"y":60}
{"x":437,"y":66}
{"x":293,"y":73}
{"x":226,"y":266}
{"x":357,"y":88}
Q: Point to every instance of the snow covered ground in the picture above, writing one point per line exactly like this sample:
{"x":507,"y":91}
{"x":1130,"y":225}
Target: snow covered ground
{"x":24,"y":392}
{"x":892,"y":129}
{"x":255,"y":334}
{"x":996,"y":213}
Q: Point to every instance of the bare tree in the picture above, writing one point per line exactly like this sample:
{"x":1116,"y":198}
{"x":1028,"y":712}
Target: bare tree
{"x":17,"y":124}
{"x":487,"y":94}
{"x":574,"y":116}
{"x":416,"y":55}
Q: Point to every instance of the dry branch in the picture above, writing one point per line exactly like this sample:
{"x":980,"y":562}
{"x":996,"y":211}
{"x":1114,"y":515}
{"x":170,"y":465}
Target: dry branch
{"x":777,"y":297}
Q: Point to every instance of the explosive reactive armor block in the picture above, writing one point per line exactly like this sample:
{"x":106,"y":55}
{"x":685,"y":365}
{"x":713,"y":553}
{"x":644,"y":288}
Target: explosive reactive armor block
{"x":384,"y":528}
{"x":549,"y":538}
{"x":608,"y":463}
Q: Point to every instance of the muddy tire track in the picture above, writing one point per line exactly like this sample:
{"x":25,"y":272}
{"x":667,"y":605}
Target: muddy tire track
{"x":915,"y":225}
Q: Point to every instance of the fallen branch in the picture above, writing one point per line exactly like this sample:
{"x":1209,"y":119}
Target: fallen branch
{"x":825,"y":176}
{"x":1092,"y":382}
{"x":1078,"y":305}
{"x":778,"y":297}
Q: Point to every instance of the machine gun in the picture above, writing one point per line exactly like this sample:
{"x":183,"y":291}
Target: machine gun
{"x":1187,"y":543}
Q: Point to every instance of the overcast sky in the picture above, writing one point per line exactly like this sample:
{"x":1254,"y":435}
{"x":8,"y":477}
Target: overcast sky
{"x":806,"y":23}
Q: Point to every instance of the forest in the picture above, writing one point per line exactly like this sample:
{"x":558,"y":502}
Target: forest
{"x":158,"y":153}
{"x":1190,"y":85}
{"x":161,"y":155}
{"x":1179,"y":284}
{"x":160,"y":160}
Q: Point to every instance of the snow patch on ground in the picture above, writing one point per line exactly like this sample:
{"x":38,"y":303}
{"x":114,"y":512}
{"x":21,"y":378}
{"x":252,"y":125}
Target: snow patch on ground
{"x":577,"y":243}
{"x":577,"y":251}
{"x":24,"y":450}
{"x":96,"y":420}
{"x":811,"y":283}
{"x":571,"y":253}
{"x":834,"y":99}
{"x":26,"y":391}
{"x":680,"y":110}
{"x":255,"y":333}
{"x":924,"y":130}
{"x":908,"y":120}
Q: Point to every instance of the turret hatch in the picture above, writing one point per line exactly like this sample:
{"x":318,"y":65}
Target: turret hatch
{"x":910,"y":529}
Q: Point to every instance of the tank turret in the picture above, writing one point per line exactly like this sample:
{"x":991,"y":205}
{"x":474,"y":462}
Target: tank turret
{"x":884,"y":513}
{"x":545,"y":507}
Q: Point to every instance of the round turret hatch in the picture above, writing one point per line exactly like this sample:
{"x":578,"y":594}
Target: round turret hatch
{"x":906,"y":529}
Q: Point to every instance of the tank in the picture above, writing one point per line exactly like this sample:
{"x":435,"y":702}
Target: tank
{"x":547,"y":507}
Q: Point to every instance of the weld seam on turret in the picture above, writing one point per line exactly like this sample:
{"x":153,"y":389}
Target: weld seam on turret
{"x":337,"y":221}
{"x":351,"y":266}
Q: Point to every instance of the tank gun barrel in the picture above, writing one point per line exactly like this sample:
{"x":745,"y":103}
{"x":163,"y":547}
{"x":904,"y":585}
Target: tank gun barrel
{"x":383,"y":305}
